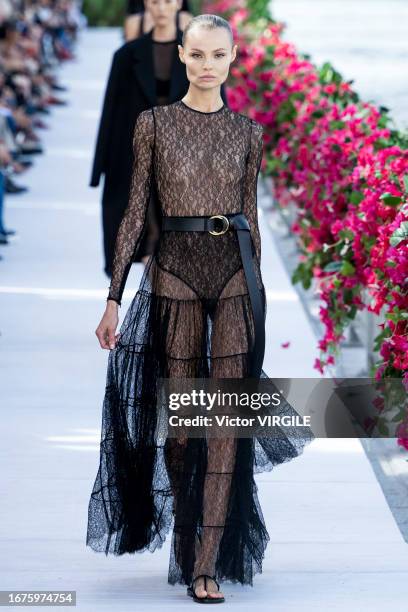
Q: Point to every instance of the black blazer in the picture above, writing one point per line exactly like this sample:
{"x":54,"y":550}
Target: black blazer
{"x":131,"y":89}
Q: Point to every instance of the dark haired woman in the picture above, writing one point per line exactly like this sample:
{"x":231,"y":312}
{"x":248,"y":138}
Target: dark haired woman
{"x":138,"y":21}
{"x":145,"y":72}
{"x":199,"y":313}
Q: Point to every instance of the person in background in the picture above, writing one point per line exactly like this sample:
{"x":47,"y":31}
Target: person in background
{"x":144,"y":72}
{"x":5,"y":159}
{"x":138,"y":23}
{"x":35,"y":37}
{"x":138,"y":20}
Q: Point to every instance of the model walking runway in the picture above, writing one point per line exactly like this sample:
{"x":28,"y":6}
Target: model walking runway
{"x":194,"y":283}
{"x":199,"y":312}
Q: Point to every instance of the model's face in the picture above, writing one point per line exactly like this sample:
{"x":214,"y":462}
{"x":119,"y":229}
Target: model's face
{"x":163,"y":12}
{"x":207,"y":54}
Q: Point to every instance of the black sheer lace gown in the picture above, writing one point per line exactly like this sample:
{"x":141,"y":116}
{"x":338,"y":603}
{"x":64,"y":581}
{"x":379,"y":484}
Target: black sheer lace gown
{"x":191,"y":317}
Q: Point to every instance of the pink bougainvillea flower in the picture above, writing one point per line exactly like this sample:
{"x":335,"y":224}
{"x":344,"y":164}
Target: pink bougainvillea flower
{"x":341,"y":174}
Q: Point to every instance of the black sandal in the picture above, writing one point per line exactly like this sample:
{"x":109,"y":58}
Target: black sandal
{"x":191,"y":591}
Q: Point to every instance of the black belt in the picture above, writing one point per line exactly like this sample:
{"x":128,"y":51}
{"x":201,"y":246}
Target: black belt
{"x":217,"y":225}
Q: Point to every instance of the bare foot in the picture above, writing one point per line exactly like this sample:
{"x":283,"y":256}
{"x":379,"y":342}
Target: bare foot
{"x":212,"y":590}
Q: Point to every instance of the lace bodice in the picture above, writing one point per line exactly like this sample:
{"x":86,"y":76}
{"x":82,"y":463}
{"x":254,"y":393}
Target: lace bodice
{"x":203,"y":164}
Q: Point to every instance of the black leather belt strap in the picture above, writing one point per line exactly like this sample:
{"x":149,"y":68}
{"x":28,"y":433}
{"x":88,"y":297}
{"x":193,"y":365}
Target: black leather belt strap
{"x":239,"y":223}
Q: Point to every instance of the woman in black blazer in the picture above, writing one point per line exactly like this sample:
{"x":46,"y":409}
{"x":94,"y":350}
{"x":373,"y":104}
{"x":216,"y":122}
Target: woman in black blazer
{"x":137,"y":23}
{"x":132,"y":88}
{"x":134,"y":85}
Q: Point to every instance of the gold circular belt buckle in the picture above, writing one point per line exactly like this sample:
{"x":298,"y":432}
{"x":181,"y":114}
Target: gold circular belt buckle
{"x":224,"y":229}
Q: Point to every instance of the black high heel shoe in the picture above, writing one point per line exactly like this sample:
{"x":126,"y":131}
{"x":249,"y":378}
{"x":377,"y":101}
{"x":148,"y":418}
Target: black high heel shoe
{"x":210,"y":600}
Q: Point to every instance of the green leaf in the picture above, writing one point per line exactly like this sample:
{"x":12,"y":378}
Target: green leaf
{"x":286,"y":112}
{"x":383,"y":121}
{"x":395,"y":180}
{"x":368,"y":241}
{"x":347,"y":268}
{"x":346,"y":234}
{"x":397,"y":418}
{"x":273,"y":164}
{"x":379,"y":339}
{"x":303,"y":273}
{"x":328,"y":74}
{"x":390,"y":200}
{"x":405,"y":179}
{"x":382,"y":428}
{"x":318,"y":113}
{"x":356,"y":197}
{"x":336,"y":125}
{"x":333,"y":266}
{"x":347,"y":295}
{"x":400,"y":234}
{"x":382,"y":143}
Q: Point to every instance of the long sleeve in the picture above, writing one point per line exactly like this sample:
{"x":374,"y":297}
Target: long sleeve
{"x":134,"y":218}
{"x":253,"y":166}
{"x":105,"y":123}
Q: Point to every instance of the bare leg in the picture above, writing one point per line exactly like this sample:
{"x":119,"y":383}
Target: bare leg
{"x":220,"y":467}
{"x":182,"y":356}
{"x":228,"y":360}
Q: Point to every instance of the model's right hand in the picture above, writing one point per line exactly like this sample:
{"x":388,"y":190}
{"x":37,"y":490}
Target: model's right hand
{"x":105,"y":331}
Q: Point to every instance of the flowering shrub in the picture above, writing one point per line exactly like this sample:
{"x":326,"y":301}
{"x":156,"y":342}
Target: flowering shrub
{"x":338,"y":160}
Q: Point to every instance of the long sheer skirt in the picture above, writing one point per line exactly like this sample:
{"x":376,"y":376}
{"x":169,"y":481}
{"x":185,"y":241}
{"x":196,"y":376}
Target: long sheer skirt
{"x":203,"y":487}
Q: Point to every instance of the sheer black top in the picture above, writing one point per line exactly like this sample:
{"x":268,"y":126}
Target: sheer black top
{"x":203,"y":164}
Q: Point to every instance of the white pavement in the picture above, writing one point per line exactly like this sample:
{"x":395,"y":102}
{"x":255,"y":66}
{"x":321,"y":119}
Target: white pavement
{"x":334,"y":541}
{"x":366,"y":40}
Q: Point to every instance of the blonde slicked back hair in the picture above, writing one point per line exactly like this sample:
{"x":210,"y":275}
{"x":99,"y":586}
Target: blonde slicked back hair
{"x":209,"y":22}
